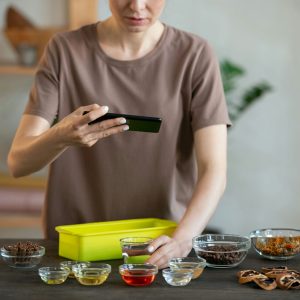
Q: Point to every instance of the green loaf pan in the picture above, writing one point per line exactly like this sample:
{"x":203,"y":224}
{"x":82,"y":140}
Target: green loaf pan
{"x":101,"y":240}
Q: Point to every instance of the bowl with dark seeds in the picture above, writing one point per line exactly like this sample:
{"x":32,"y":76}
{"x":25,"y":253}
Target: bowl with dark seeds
{"x":222,"y":250}
{"x":22,"y":254}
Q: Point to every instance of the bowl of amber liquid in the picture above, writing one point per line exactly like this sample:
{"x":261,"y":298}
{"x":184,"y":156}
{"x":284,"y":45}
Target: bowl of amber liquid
{"x":91,"y":273}
{"x":138,"y":274}
{"x":53,"y":275}
{"x":196,"y":264}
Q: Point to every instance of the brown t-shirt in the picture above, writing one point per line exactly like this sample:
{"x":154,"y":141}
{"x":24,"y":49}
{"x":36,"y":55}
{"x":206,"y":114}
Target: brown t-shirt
{"x":133,"y":174}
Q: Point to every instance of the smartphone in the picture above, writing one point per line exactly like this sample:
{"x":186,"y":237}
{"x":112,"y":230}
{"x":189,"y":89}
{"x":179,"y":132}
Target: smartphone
{"x":135,"y":123}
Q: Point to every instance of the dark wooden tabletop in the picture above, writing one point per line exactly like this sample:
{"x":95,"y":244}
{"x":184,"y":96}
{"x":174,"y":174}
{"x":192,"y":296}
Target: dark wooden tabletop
{"x":213,"y":284}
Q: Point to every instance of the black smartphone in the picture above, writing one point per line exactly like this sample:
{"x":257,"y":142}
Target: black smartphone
{"x":135,"y":123}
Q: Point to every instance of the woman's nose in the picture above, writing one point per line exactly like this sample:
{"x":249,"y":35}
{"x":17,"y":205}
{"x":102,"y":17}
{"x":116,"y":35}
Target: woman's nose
{"x":137,"y":5}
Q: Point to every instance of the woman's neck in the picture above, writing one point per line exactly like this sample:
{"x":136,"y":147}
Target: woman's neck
{"x":123,"y":45}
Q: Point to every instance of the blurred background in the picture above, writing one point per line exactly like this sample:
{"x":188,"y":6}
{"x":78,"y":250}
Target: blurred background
{"x":258,"y":45}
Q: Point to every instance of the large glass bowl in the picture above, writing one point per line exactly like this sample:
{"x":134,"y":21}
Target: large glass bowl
{"x":221,"y":250}
{"x":23,"y":261}
{"x":276,"y":243}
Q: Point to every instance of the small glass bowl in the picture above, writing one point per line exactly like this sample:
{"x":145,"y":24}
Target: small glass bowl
{"x":222,"y":250}
{"x":53,"y":275}
{"x":26,"y":261}
{"x":177,"y":277}
{"x":68,"y":264}
{"x":276,"y":243}
{"x":197,"y":264}
{"x":91,"y":273}
{"x":135,"y":249}
{"x":138,"y":274}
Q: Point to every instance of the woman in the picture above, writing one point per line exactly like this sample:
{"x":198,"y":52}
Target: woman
{"x":130,"y":63}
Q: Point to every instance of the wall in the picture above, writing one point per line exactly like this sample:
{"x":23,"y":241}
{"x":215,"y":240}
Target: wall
{"x":263,"y":181}
{"x":263,"y":153}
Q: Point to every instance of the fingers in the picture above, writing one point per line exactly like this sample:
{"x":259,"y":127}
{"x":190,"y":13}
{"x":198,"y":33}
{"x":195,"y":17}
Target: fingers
{"x":158,"y":242}
{"x":89,"y":113}
{"x":106,"y":130}
{"x":89,"y":139}
{"x":79,"y":132}
{"x":98,"y":130}
{"x":97,"y":111}
{"x":164,"y":248}
{"x":107,"y":124}
{"x":161,"y":256}
{"x":163,"y":251}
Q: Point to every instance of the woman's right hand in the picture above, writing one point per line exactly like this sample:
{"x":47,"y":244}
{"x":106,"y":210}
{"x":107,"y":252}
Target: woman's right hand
{"x":36,"y":144}
{"x":74,"y":129}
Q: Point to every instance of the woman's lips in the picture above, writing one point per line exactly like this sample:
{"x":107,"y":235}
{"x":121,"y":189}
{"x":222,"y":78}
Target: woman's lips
{"x":136,"y":21}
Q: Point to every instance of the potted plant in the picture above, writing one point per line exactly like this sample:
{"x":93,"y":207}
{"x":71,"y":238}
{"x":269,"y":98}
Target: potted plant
{"x":231,"y":72}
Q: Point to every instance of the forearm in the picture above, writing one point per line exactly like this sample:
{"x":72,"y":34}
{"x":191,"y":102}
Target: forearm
{"x":203,"y":203}
{"x":36,"y":144}
{"x":201,"y":207}
{"x":32,"y":153}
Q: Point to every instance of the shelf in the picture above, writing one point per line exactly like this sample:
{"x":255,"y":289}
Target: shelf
{"x":17,"y":70}
{"x":24,"y":182}
{"x":80,"y":12}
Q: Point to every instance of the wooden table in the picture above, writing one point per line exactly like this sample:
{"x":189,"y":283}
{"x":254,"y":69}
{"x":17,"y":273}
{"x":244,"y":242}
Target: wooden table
{"x":214,"y":284}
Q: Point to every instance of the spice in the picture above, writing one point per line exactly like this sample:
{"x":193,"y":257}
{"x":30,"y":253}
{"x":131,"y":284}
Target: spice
{"x":21,"y":252}
{"x":222,"y":255}
{"x":278,"y":246}
{"x":22,"y":249}
{"x":271,"y":277}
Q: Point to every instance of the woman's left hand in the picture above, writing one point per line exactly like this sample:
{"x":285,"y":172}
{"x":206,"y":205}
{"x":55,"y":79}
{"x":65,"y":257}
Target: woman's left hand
{"x":164,"y":248}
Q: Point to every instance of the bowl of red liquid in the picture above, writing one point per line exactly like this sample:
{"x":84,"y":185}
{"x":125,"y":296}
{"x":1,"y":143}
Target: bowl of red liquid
{"x":138,"y":274}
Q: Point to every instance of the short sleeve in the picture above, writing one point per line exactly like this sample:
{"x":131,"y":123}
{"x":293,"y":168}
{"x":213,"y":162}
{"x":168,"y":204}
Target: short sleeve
{"x":208,"y":104}
{"x":44,"y":94}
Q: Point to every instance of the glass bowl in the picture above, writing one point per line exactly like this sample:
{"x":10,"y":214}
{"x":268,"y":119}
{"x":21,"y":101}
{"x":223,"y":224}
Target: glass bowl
{"x":138,"y":274}
{"x":177,"y":277}
{"x":53,"y":275}
{"x":68,"y":264}
{"x":197,"y":264}
{"x":222,"y":250}
{"x":91,"y":273}
{"x":135,"y":249}
{"x":276,"y":243}
{"x":18,"y":260}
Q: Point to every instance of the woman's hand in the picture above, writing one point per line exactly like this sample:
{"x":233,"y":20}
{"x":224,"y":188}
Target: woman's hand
{"x":74,"y":129}
{"x":37,"y":144}
{"x":164,"y":248}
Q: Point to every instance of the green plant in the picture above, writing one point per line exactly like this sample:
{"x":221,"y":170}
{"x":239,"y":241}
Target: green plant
{"x":231,"y":72}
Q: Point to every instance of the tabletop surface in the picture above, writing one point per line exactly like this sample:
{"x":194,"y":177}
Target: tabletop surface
{"x":212,"y":285}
